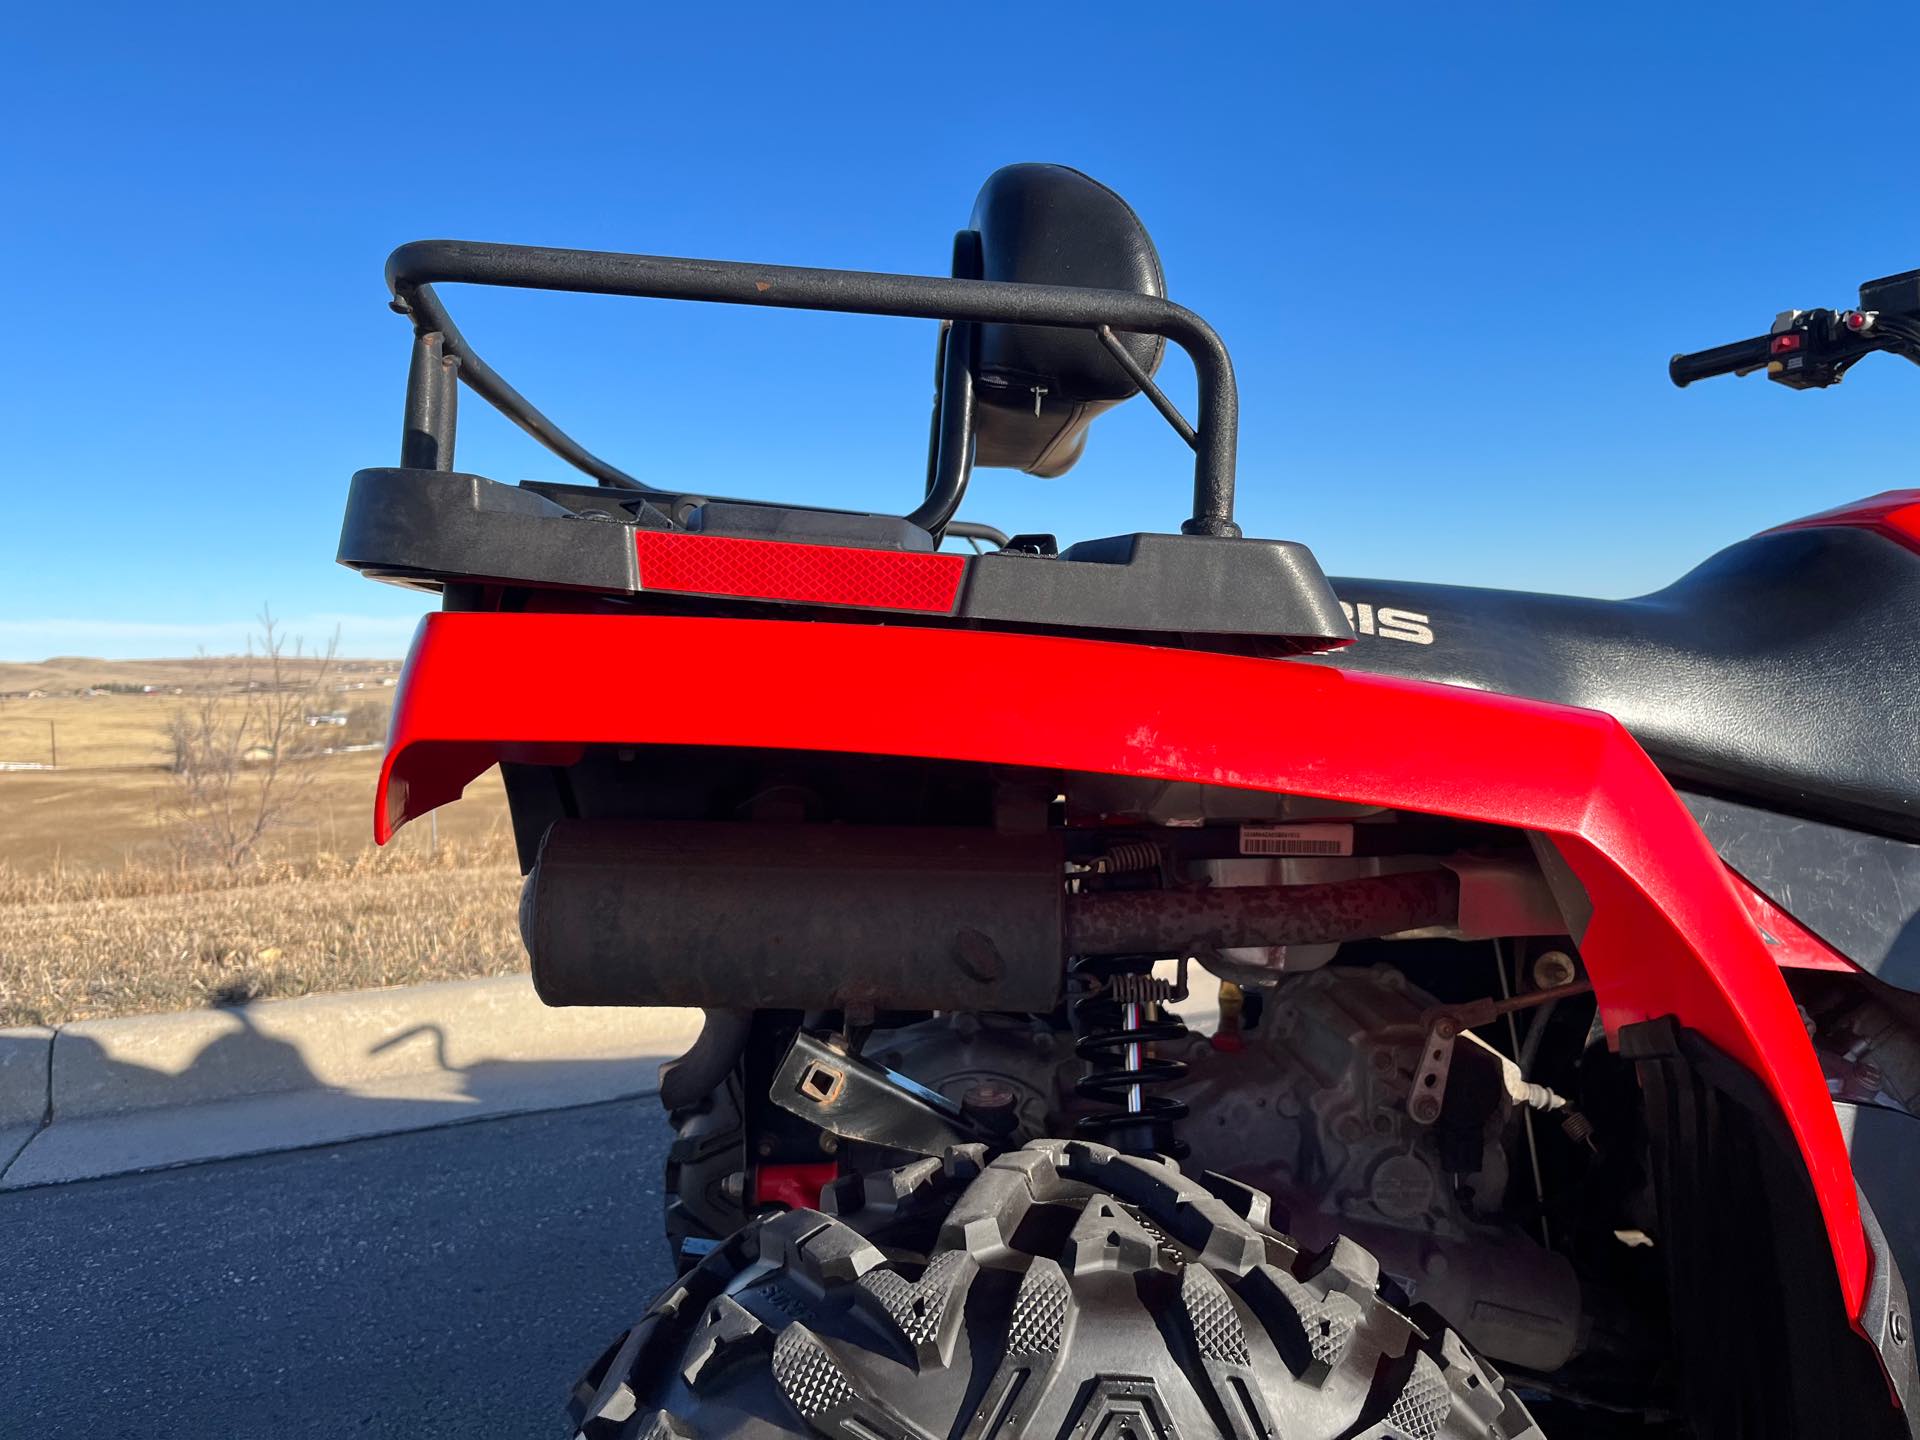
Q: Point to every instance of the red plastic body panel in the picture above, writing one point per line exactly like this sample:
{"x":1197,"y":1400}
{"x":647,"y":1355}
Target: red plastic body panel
{"x":802,"y":574}
{"x":1892,"y":513}
{"x":1794,"y":946}
{"x":1670,"y":934}
{"x":797,"y":1187}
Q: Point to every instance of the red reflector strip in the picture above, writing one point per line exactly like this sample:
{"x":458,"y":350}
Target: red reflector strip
{"x":799,"y":574}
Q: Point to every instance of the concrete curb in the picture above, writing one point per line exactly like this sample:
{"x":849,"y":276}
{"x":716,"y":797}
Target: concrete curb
{"x":26,"y":1062}
{"x":105,"y":1097}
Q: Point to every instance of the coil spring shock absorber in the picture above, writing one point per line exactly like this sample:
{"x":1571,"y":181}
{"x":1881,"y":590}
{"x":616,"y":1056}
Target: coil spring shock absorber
{"x":1118,"y":1022}
{"x":1128,"y":857}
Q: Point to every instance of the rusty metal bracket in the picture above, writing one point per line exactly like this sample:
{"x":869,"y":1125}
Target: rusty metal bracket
{"x":1429,"y":1090}
{"x":856,"y":1099}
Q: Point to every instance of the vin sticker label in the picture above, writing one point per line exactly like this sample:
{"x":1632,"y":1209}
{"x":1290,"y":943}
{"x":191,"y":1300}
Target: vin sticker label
{"x":1327,"y":839}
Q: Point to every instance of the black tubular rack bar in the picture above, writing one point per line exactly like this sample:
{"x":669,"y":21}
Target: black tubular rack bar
{"x":441,"y":352}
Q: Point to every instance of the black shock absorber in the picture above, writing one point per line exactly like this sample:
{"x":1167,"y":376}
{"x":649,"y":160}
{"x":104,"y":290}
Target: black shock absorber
{"x":1119,"y":1021}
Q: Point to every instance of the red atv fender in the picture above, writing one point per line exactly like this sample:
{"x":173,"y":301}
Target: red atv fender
{"x":1670,"y":933}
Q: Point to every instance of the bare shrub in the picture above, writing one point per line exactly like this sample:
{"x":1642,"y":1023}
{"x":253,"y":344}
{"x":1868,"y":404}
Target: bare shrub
{"x":236,"y":750}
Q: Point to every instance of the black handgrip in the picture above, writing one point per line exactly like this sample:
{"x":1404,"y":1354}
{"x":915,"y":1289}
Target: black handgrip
{"x":1721,"y":360}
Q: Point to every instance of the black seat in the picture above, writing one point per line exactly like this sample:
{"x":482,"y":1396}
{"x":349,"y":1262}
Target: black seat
{"x":1786,"y":669}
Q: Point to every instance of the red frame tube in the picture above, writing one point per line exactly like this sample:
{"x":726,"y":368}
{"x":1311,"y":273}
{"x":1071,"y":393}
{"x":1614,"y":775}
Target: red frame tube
{"x":1670,"y":934}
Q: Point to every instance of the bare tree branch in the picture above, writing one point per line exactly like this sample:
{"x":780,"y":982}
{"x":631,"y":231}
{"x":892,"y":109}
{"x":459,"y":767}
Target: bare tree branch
{"x":238,"y":754}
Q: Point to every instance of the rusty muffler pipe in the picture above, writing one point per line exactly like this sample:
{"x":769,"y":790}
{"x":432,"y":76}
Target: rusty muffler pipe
{"x":821,"y":917}
{"x":1169,"y":922}
{"x":800,"y":917}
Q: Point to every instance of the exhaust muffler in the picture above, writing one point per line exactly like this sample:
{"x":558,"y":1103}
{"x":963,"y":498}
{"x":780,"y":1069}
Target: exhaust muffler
{"x":823,"y":917}
{"x":801,"y":917}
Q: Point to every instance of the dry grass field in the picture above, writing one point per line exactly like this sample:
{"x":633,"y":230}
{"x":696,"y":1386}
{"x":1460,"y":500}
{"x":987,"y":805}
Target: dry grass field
{"x":94,"y":712}
{"x":106,"y":910}
{"x":147,"y":939}
{"x":91,"y":820}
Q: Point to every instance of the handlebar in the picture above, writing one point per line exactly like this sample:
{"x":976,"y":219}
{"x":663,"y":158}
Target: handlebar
{"x":1739,"y":358}
{"x":1812,"y":349}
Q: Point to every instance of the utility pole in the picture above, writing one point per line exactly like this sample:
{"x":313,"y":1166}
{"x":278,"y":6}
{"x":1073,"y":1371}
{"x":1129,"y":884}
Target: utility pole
{"x":53,"y":747}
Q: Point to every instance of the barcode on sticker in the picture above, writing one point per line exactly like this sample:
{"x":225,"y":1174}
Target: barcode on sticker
{"x":1296,"y":839}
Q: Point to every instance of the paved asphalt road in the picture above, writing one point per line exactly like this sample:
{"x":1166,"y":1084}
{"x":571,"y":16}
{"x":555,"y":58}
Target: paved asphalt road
{"x":451,"y":1282}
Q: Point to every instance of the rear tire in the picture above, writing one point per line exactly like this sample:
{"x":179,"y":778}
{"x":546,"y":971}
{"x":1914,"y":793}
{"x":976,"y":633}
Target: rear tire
{"x":1063,"y":1289}
{"x":705,"y":1174}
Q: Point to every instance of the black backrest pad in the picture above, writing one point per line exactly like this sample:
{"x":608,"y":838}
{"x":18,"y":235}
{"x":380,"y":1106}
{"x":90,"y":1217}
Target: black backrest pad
{"x":1049,"y":225}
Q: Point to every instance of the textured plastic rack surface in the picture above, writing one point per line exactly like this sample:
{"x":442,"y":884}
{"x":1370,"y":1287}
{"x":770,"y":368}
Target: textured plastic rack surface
{"x":431,"y":528}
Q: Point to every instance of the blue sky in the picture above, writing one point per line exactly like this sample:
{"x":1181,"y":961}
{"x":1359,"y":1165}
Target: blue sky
{"x":1450,"y":246}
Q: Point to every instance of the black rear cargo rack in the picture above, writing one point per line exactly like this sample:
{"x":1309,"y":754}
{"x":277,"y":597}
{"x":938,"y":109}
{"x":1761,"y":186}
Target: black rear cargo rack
{"x":442,"y":354}
{"x":427,"y":525}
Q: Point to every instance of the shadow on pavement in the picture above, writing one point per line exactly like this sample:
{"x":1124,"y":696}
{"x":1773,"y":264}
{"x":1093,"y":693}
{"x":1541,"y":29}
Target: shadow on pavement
{"x":123,"y":1116}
